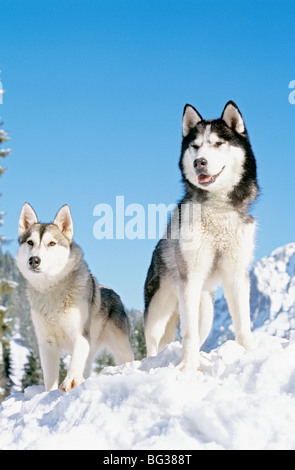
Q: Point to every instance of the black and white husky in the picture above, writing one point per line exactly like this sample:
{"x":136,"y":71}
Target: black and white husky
{"x":71,"y":312}
{"x":210,"y":237}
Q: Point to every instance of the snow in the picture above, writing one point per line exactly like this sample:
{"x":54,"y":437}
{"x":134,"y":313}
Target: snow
{"x":239,"y":400}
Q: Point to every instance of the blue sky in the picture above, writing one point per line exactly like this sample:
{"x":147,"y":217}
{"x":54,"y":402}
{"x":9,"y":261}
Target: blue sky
{"x":94,"y":97}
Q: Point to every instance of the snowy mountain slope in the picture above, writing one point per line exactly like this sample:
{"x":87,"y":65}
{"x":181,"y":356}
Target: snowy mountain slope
{"x":240,"y":400}
{"x":272,"y":302}
{"x":273,"y":296}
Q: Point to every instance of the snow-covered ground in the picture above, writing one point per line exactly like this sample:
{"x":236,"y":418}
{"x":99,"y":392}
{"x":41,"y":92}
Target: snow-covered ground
{"x":240,"y":400}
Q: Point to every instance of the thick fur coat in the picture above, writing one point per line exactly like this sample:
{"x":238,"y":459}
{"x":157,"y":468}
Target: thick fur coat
{"x":209,"y":239}
{"x":71,"y":312}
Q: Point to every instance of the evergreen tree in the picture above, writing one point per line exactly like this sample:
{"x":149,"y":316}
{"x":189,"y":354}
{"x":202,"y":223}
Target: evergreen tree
{"x":104,"y":359}
{"x":137,"y":333}
{"x":62,"y":370}
{"x":5,"y":287}
{"x":32,"y":371}
{"x":3,"y":154}
{"x":138,"y":340}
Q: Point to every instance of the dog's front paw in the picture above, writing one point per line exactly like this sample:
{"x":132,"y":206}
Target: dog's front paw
{"x":71,"y":382}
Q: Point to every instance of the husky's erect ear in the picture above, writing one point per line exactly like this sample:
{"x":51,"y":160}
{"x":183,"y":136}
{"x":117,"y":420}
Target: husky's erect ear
{"x":26,"y":219}
{"x":64,"y":222}
{"x":233,"y":118}
{"x":190,"y":119}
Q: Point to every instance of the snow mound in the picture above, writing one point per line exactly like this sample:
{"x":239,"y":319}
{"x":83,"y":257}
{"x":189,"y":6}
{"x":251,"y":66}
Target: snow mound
{"x":240,"y":400}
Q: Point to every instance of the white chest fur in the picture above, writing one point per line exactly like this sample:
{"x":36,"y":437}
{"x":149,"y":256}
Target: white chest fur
{"x":208,"y":231}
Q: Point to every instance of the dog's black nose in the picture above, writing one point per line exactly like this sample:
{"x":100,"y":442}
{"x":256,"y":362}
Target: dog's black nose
{"x":200,"y":163}
{"x":34,"y":261}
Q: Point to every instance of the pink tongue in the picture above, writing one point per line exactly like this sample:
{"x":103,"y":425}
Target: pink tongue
{"x":204,"y":178}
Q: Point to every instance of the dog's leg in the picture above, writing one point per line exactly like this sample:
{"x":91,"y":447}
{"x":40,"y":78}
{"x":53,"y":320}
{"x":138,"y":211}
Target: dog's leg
{"x":162,"y":306}
{"x":237,"y":294}
{"x":117,"y":342}
{"x":189,"y":302}
{"x":75,"y":375}
{"x":206,"y":315}
{"x":94,"y":350}
{"x":170,"y":331}
{"x":236,"y":283}
{"x":123,"y":352}
{"x":155,"y":326}
{"x":49,"y":355}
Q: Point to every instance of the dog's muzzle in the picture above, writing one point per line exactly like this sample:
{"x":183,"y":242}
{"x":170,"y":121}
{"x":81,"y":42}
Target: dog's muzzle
{"x":205,"y":179}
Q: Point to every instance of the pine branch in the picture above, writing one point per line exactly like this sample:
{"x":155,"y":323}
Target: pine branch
{"x":3,"y":136}
{"x":4,"y":153}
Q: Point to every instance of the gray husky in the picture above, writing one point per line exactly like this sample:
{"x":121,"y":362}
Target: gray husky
{"x":210,"y":237}
{"x":71,"y":312}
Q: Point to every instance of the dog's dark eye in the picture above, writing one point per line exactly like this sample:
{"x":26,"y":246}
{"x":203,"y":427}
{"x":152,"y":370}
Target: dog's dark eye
{"x":218,"y":144}
{"x":52,"y":243}
{"x":195,"y":146}
{"x":30,"y":242}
